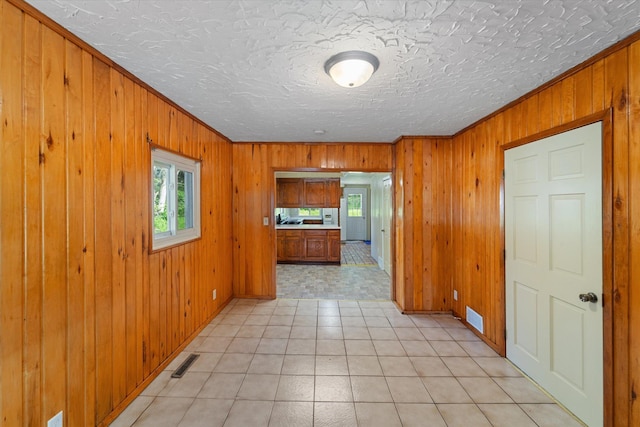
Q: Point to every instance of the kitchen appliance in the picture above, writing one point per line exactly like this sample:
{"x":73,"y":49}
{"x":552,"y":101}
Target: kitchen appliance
{"x":327,"y":218}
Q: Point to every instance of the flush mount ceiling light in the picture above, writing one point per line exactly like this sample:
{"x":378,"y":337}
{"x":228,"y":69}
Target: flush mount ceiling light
{"x":352,"y":68}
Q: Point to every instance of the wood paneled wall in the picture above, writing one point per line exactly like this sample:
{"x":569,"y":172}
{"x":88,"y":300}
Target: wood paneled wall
{"x":423,"y":247}
{"x":610,"y":81}
{"x":87,"y":314}
{"x":254,"y":164}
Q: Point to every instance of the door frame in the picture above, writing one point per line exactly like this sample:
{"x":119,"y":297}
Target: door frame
{"x":605,"y":117}
{"x":272,"y":203}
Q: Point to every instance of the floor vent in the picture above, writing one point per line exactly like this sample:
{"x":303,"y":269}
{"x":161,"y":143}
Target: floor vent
{"x":178,"y":373}
{"x":475,"y":320}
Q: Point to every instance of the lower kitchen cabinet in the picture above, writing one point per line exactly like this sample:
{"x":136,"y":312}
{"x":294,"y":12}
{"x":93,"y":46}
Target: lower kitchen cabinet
{"x":315,"y":245}
{"x":289,"y":245}
{"x":308,"y":246}
{"x":334,"y":245}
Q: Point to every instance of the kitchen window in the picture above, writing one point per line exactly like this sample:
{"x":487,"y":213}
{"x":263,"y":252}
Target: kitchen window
{"x":311,"y":212}
{"x":175,"y":182}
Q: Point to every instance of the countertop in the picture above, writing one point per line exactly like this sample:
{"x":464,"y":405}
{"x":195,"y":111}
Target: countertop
{"x":307,"y":227}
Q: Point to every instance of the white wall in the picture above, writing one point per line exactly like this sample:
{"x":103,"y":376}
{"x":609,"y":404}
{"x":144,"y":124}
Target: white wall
{"x":377,"y":197}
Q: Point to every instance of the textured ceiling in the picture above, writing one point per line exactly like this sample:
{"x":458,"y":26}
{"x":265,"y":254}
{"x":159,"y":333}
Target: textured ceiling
{"x":253,"y":70}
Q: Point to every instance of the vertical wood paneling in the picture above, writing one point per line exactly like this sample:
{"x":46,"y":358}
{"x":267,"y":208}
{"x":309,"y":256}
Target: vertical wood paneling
{"x":75,"y":188}
{"x":568,"y":99}
{"x":545,"y":109}
{"x":423,"y":224}
{"x":156,"y":340}
{"x":583,"y":92}
{"x":89,"y":198}
{"x":456,"y":221}
{"x":143,"y":227}
{"x":11,"y":208}
{"x":398,"y":249}
{"x":496,"y":274}
{"x":532,"y":112}
{"x":55,"y":217}
{"x":410,"y":257}
{"x":598,"y":101}
{"x":118,"y":255}
{"x":557,"y":113}
{"x":634,"y":215}
{"x":82,"y":309}
{"x":130,"y":243}
{"x":617,"y":92}
{"x":103,"y":243}
{"x":32,"y":363}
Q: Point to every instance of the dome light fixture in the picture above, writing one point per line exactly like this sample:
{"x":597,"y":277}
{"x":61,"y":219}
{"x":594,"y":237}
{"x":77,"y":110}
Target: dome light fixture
{"x":352,"y":68}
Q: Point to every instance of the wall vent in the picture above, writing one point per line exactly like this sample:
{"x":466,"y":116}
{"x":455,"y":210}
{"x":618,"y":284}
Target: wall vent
{"x":178,"y":373}
{"x":475,"y":320}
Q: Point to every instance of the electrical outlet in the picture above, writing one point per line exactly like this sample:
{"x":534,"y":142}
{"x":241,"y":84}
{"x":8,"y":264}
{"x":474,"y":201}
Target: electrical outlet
{"x":215,"y":293}
{"x":265,"y":220}
{"x":455,"y":295}
{"x":56,"y":421}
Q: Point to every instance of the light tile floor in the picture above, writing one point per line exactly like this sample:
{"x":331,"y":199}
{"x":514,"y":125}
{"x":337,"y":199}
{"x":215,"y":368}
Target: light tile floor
{"x":290,"y":362}
{"x":355,"y":252}
{"x":346,"y":282}
{"x":357,"y":278}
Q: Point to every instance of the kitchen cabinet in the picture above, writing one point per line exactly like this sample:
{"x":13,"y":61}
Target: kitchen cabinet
{"x":314,"y":193}
{"x":333,"y":237}
{"x":333,"y":193}
{"x":289,"y":245}
{"x":322,"y":193}
{"x":308,"y":193}
{"x":289,"y":192}
{"x":314,"y":246}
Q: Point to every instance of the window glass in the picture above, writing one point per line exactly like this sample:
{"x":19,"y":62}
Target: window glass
{"x":354,"y":205}
{"x":185,"y":202}
{"x":176,"y":198}
{"x":309,"y":212}
{"x":160,"y":197}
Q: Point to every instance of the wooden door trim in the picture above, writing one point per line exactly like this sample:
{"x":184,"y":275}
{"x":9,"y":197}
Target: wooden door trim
{"x":606,"y":117}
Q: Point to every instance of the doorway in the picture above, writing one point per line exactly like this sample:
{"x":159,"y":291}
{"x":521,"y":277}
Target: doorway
{"x":554,"y":266}
{"x":360,"y":277}
{"x":357,"y":212}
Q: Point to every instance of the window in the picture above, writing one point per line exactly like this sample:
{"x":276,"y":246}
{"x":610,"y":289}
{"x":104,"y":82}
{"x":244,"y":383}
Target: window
{"x":309,"y":212}
{"x":354,"y":205}
{"x":176,"y":198}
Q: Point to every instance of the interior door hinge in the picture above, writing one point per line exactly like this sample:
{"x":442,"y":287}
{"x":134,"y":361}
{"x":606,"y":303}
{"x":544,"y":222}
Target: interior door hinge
{"x":505,"y":334}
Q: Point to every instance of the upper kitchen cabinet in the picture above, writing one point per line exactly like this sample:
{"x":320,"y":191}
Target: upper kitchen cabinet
{"x":290,"y":192}
{"x":308,"y":192}
{"x":333,"y":193}
{"x":315,"y":190}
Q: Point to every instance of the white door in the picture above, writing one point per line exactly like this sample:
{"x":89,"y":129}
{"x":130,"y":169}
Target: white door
{"x":357,"y":213}
{"x":387,"y":213}
{"x":553,"y":240}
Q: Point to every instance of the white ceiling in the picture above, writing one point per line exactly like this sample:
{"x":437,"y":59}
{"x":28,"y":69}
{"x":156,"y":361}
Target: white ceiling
{"x":253,"y":70}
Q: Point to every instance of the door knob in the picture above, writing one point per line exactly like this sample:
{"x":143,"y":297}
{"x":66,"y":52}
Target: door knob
{"x":590,"y":297}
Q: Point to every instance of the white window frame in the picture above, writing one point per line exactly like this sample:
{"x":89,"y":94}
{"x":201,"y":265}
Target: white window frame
{"x":174,"y":236}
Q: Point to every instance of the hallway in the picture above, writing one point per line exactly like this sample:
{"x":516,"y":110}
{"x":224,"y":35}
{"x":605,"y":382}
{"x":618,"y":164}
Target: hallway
{"x":290,"y":362}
